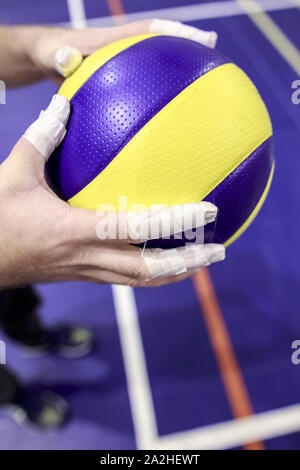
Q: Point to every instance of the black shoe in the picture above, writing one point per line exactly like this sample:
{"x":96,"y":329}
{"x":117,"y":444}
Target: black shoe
{"x":43,"y":409}
{"x":66,"y":341}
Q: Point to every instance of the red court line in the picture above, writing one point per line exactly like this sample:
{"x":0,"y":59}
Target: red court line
{"x":230,"y":371}
{"x":229,"y":368}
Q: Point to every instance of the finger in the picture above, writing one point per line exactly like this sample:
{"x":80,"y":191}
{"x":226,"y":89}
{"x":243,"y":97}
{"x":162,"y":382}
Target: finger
{"x":66,"y":60}
{"x":153,"y":268}
{"x":175,"y":28}
{"x":59,"y":53}
{"x":47,"y":132}
{"x":132,"y":263}
{"x":136,"y":227}
{"x":109,"y":277}
{"x":166,"y":27}
{"x":165,"y":263}
{"x":161,"y":221}
{"x":161,"y":281}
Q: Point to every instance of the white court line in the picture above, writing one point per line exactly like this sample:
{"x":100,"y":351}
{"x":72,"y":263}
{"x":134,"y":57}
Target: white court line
{"x":218,"y":436}
{"x":76,"y":13}
{"x":273,"y":33}
{"x":139,"y":389}
{"x":189,"y":12}
{"x":224,"y":435}
{"x":235,"y":433}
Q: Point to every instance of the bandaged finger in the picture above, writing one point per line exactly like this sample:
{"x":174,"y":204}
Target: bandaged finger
{"x":175,"y":28}
{"x":47,"y":132}
{"x":165,"y":263}
{"x":162,"y":221}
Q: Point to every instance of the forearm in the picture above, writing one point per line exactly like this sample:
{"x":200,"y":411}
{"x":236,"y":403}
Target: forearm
{"x":16,"y":66}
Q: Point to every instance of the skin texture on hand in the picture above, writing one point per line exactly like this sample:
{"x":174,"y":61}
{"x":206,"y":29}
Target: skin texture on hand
{"x":44,"y":239}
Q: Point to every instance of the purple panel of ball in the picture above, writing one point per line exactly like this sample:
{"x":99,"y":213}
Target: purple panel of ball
{"x":236,"y":198}
{"x":238,"y":195}
{"x":119,"y":99}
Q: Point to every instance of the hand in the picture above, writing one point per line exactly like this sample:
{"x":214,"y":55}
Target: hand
{"x":57,"y":52}
{"x":44,"y":239}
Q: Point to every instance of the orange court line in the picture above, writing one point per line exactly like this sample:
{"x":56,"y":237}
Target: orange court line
{"x":231,"y":374}
{"x":116,"y":9}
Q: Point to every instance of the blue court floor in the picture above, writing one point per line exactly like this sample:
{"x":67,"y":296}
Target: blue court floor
{"x":178,"y":397}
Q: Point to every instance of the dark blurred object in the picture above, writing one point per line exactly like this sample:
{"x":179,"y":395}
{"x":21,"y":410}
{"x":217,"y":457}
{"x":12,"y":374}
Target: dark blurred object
{"x":20,"y":321}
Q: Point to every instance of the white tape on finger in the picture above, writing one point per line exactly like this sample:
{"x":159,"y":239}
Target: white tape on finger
{"x":175,"y":28}
{"x":164,"y":263}
{"x":162,"y":221}
{"x":67,"y":59}
{"x":47,"y":132}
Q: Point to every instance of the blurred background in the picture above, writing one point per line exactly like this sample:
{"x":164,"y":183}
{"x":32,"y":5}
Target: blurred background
{"x":206,"y":362}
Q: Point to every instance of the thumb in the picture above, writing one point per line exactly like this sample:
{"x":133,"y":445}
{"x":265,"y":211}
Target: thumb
{"x":29,"y":155}
{"x":55,"y":54}
{"x":66,"y":60}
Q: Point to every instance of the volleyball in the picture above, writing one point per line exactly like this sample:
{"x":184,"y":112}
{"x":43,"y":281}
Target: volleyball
{"x":165,"y":120}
